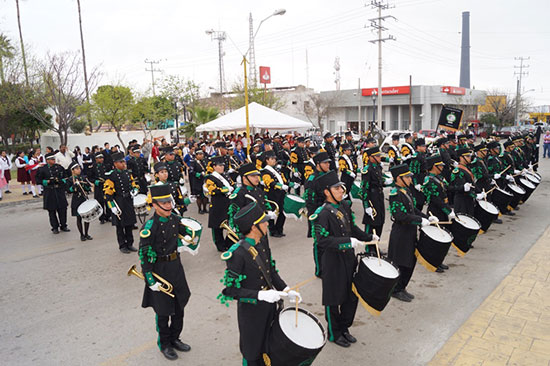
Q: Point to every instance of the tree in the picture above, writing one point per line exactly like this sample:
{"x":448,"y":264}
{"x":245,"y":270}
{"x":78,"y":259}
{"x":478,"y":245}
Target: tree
{"x":261,"y":96}
{"x":317,"y":107}
{"x":57,"y":83}
{"x":501,"y":106}
{"x":6,"y":52}
{"x":151,"y":112}
{"x":174,"y":87}
{"x":200,"y":115}
{"x":113,"y":104}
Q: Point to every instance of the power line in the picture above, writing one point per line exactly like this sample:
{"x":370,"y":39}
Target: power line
{"x":520,"y":75}
{"x":219,"y":36}
{"x":153,"y":70}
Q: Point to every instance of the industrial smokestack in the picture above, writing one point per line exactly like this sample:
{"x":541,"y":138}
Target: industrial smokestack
{"x":465,"y":51}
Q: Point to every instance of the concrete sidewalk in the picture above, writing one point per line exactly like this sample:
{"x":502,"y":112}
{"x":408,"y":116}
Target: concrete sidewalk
{"x":512,"y":326}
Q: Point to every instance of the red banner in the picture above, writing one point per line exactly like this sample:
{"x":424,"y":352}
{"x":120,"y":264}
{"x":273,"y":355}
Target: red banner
{"x":265,"y":75}
{"x":453,"y":90}
{"x":392,"y":90}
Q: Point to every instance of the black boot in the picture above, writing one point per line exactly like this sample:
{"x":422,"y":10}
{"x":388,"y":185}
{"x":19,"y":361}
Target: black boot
{"x":400,"y":295}
{"x":169,"y":353}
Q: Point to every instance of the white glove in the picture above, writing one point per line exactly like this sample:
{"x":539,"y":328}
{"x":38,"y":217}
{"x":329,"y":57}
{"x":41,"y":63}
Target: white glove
{"x":115,"y":211}
{"x":352,"y":174}
{"x":433,"y":219}
{"x":296,"y":185}
{"x":496,"y":176}
{"x":297,"y":174}
{"x":375,"y":237}
{"x":369,"y":212}
{"x":391,"y":160}
{"x":155,"y":287}
{"x":452,"y":215}
{"x":270,"y":296}
{"x":182,"y":181}
{"x":481,"y":196}
{"x":516,"y":171}
{"x":418,"y":187}
{"x":524,"y":172}
{"x":271,"y":215}
{"x":388,"y":181}
{"x":231,"y":171}
{"x":455,"y":164}
{"x":356,"y":243}
{"x":284,"y":187}
{"x":510,"y":179}
{"x":231,"y":189}
{"x":134,"y":192}
{"x":293,"y":295}
{"x":425,"y":222}
{"x":467,"y":187}
{"x":530,"y":166}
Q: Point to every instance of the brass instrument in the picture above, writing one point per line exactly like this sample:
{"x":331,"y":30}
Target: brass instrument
{"x":374,"y":213}
{"x":276,"y":206}
{"x":230,"y":233}
{"x":166,"y":287}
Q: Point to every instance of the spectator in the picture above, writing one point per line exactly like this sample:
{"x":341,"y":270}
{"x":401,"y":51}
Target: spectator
{"x":546,"y":144}
{"x":64,"y":157}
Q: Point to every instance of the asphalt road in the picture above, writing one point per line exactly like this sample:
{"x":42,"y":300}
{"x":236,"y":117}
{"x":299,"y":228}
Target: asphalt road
{"x":66,"y":302}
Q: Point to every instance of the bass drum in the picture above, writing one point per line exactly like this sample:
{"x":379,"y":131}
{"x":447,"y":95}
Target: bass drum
{"x":433,"y":245}
{"x":485,"y":212}
{"x":291,"y":345}
{"x":374,"y":282}
{"x":518,"y":193}
{"x":465,"y":229}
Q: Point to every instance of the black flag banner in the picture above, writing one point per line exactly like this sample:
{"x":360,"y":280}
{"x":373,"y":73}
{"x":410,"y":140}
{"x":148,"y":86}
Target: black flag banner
{"x":450,"y":118}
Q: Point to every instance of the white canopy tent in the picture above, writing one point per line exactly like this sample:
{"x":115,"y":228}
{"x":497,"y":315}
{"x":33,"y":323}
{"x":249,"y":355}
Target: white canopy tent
{"x":260,"y":117}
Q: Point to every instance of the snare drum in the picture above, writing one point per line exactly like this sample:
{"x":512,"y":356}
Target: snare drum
{"x":518,"y":193}
{"x":90,"y":210}
{"x":374,"y":282}
{"x":356,"y":190}
{"x":293,"y":206}
{"x":532,"y":178}
{"x":528,"y":187}
{"x":433,"y":245}
{"x":485,"y":212}
{"x":291,"y":345}
{"x":196,"y":227}
{"x":501,"y":199}
{"x":140,"y":204}
{"x":465,"y":229}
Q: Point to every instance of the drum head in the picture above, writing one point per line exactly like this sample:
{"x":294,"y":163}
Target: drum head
{"x":87,"y":206}
{"x":382,"y":268}
{"x":140,"y":199}
{"x":488,"y":206}
{"x":468,"y":222}
{"x":516,"y":189}
{"x":437,"y":234}
{"x":192,"y":223}
{"x":532,"y":178}
{"x":504,"y":192}
{"x":526,"y":183}
{"x":295,"y":198}
{"x":308,"y":334}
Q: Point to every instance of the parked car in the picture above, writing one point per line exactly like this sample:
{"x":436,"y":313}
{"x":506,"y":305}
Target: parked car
{"x":506,"y":131}
{"x":428,"y":133}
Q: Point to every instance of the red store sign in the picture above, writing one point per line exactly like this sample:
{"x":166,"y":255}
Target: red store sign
{"x":453,"y":90}
{"x":392,"y":90}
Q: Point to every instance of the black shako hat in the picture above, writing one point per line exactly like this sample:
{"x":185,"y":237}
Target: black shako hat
{"x":248,"y":169}
{"x":160,"y":193}
{"x":269,"y":154}
{"x":463,"y":151}
{"x":160,"y":166}
{"x":248,"y":216}
{"x":372,"y":151}
{"x":50,"y":156}
{"x":217,"y":160}
{"x":433,"y":160}
{"x":493,"y":145}
{"x":321,"y":157}
{"x":481,"y":146}
{"x":420,"y":142}
{"x":118,"y":156}
{"x":401,"y":170}
{"x":346,"y":146}
{"x":329,"y":180}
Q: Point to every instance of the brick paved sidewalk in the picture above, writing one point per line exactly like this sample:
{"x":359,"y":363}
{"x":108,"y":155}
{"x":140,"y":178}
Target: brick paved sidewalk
{"x":512,"y":326}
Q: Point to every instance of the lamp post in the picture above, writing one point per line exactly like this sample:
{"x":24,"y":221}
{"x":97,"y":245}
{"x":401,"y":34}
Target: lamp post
{"x":373,"y":107}
{"x":276,"y":12}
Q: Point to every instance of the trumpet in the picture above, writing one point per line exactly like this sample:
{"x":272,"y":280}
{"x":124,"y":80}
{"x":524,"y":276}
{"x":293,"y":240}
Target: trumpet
{"x":230,"y":233}
{"x":374,"y":213}
{"x":166,"y":287}
{"x":275,"y":205}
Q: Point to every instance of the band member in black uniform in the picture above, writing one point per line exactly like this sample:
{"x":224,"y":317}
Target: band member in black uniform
{"x":334,"y":231}
{"x":276,"y":185}
{"x":496,"y":168}
{"x":298,"y":158}
{"x":180,"y":202}
{"x":347,"y":165}
{"x":175,"y":169}
{"x":160,"y":245}
{"x":138,"y":167}
{"x":407,"y":150}
{"x":52,"y":177}
{"x":403,"y":236}
{"x":219,"y":187}
{"x":328,"y":146}
{"x":394,"y":154}
{"x":233,"y":163}
{"x":462,"y":184}
{"x":417,"y":166}
{"x":197,"y":172}
{"x":120,"y":188}
{"x":483,"y":178}
{"x":79,"y":187}
{"x":372,"y":192}
{"x":97,"y":177}
{"x":221,"y":152}
{"x":252,"y":279}
{"x":452,"y":146}
{"x":249,"y":191}
{"x":314,"y":197}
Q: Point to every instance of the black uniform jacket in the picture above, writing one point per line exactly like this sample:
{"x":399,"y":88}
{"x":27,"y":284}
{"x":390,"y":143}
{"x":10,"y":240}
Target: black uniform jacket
{"x":372,"y":194}
{"x":175,"y":170}
{"x":97,"y":178}
{"x":159,"y":237}
{"x":403,"y":236}
{"x":334,"y":226}
{"x":52,"y":178}
{"x":219,"y":202}
{"x":238,"y":199}
{"x":197,"y":172}
{"x":118,"y":187}
{"x":79,"y":187}
{"x":138,"y":167}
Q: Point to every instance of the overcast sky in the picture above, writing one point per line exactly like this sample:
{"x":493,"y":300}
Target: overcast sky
{"x":120,"y":34}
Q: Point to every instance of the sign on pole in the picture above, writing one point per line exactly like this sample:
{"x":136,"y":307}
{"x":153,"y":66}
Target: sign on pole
{"x":450,"y":118}
{"x":265,"y":75}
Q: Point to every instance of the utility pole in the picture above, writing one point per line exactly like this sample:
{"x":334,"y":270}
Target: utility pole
{"x":252,"y":60}
{"x":410,"y":101}
{"x":219,"y":36}
{"x":307,"y":70}
{"x":22,"y":44}
{"x":518,"y":91}
{"x":376,"y":23}
{"x":337,"y":73}
{"x":84,"y":64}
{"x":359,"y":106}
{"x":153,"y":70}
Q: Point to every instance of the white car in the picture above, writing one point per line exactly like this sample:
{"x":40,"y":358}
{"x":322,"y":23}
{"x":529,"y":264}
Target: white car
{"x":385,"y":146}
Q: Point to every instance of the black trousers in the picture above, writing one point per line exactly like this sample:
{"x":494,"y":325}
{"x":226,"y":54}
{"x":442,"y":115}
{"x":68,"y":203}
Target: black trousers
{"x":340,"y":318}
{"x":276,"y":226}
{"x":106,"y":215}
{"x":317,"y":258}
{"x":405,"y":274}
{"x":58,"y":218}
{"x":222,"y":243}
{"x":369,"y":229}
{"x":254,"y":323}
{"x":169,"y":327}
{"x":124,"y":236}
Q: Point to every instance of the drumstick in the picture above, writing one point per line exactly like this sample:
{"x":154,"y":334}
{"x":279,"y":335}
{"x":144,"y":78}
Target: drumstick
{"x":492,"y":189}
{"x":509,"y":166}
{"x":436,"y":223}
{"x":441,"y":223}
{"x":301,"y":284}
{"x":485,"y":194}
{"x":377,"y":250}
{"x":297,"y":290}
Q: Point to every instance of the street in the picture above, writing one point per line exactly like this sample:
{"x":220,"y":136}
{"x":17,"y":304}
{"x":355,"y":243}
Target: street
{"x":67,"y":302}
